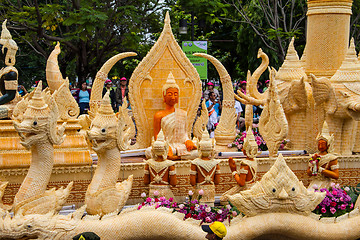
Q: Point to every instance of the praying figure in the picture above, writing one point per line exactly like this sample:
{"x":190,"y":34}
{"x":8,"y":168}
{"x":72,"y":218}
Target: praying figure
{"x":159,"y":172}
{"x":323,"y":166}
{"x":173,"y":122}
{"x":246,"y":175}
{"x":205,"y":170}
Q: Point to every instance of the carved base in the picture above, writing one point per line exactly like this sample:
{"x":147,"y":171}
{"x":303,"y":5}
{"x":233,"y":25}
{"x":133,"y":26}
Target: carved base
{"x":81,"y":175}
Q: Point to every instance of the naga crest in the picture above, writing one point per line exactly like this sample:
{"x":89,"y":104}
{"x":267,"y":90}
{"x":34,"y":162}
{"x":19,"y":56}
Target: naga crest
{"x":36,"y":119}
{"x":102,"y":131}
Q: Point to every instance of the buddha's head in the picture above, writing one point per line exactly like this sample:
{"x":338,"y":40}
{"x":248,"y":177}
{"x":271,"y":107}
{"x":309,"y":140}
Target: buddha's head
{"x":250,"y":147}
{"x":8,"y":46}
{"x":324,"y":139}
{"x":160,"y":147}
{"x":171,"y":91}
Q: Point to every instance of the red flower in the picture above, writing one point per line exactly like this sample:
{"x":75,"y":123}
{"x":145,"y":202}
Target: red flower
{"x":203,"y":214}
{"x":333,"y":204}
{"x":188,"y":215}
{"x":143,"y":203}
{"x":156,"y":199}
{"x":192,"y":208}
{"x":194,"y":216}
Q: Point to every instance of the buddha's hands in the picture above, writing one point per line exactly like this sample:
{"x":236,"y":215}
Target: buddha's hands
{"x":232,"y":164}
{"x":190,"y":145}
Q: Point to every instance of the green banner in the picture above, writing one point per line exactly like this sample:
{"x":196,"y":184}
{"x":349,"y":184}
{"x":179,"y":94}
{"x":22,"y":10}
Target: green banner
{"x":200,"y":63}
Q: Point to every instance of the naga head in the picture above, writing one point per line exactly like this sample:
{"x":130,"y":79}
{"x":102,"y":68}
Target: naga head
{"x":103,"y":129}
{"x":39,"y":120}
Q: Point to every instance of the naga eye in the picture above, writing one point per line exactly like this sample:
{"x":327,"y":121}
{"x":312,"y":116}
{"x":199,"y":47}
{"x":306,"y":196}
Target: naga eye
{"x":35,"y":123}
{"x":293,"y":189}
{"x":274,"y":190}
{"x":103,"y":130}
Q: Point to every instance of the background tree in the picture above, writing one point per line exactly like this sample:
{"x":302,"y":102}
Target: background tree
{"x":90,"y":31}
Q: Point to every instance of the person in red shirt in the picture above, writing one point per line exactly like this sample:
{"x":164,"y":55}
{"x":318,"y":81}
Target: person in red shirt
{"x":121,"y":92}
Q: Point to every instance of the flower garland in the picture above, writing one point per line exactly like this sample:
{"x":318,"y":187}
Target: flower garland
{"x":191,"y":208}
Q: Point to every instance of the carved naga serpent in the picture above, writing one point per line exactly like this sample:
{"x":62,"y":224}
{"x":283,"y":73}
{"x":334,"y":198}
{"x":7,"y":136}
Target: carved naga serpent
{"x":104,"y":195}
{"x":37,"y":128}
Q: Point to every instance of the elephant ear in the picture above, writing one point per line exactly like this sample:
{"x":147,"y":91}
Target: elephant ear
{"x":324,"y":93}
{"x":296,"y":99}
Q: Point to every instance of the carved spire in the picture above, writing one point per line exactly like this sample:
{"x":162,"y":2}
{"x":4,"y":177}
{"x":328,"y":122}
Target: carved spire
{"x":170,"y":83}
{"x":292,"y":67}
{"x":349,"y":70}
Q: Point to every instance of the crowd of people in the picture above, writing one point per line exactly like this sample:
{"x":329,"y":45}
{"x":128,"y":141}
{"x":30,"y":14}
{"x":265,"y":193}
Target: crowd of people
{"x":118,"y":88}
{"x":213,"y":99}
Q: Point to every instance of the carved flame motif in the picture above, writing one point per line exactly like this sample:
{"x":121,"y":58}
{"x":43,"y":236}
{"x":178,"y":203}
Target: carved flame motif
{"x":59,"y":87}
{"x":273,"y":125}
{"x":279,"y":190}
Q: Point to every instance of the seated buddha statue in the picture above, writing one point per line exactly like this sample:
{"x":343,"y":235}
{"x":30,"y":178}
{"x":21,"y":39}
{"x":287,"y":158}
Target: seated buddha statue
{"x":323,"y":166}
{"x":8,"y":74}
{"x":159,"y":172}
{"x":246,"y":175}
{"x":173,"y":123}
{"x":205,"y":170}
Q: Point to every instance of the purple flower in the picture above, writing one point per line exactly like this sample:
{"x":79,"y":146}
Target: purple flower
{"x":148,"y":200}
{"x":208,"y":220}
{"x":343,"y":207}
{"x":323,"y":210}
{"x":332,"y":210}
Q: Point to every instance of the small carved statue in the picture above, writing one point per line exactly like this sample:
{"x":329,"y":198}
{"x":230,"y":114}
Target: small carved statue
{"x":159,"y":172}
{"x":323,"y":166}
{"x":246,"y":175}
{"x":173,"y":123}
{"x":205,"y":171}
{"x":8,"y":74}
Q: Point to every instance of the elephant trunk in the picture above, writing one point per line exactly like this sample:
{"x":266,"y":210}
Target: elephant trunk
{"x":355,"y":106}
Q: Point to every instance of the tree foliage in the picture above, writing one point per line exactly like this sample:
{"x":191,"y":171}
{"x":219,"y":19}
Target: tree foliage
{"x":90,"y":31}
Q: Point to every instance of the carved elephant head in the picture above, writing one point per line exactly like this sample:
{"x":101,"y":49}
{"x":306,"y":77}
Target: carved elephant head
{"x":340,"y":99}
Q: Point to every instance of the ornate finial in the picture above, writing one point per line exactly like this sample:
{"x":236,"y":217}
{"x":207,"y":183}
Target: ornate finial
{"x":250,"y":145}
{"x":170,"y":83}
{"x":160,"y":147}
{"x":167,"y":18}
{"x":37,"y":100}
{"x":5,"y":33}
{"x":325,"y":135}
{"x":349,"y":70}
{"x":292,"y":67}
